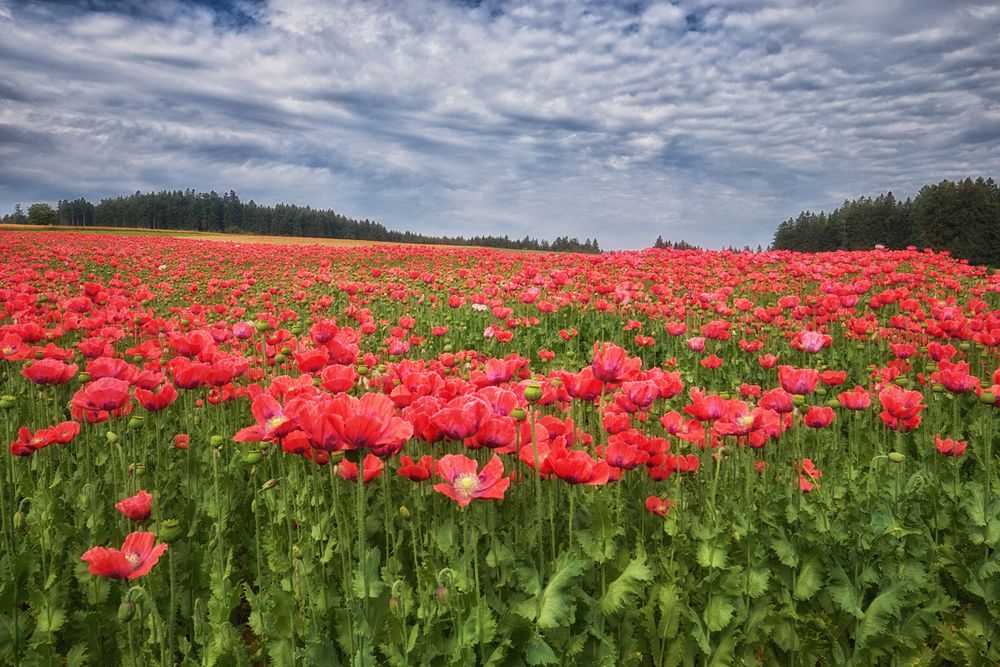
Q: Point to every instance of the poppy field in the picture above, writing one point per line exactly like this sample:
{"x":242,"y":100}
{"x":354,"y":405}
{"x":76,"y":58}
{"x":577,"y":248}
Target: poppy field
{"x":636,"y":458}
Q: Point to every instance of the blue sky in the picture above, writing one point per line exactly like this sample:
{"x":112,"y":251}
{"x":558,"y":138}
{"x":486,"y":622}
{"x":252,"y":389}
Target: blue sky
{"x":704,"y":121}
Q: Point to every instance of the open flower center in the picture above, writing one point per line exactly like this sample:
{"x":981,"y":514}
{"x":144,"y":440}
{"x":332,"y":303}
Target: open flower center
{"x":466,"y":484}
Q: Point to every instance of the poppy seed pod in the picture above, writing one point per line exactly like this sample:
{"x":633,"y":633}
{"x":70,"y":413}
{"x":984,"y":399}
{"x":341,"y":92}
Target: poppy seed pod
{"x":532,"y":391}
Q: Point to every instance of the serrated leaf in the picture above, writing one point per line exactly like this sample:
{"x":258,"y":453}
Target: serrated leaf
{"x":718,"y":612}
{"x":77,"y":656}
{"x":626,"y":586}
{"x":843,"y":592}
{"x":556,"y":603}
{"x":710,"y":555}
{"x":809,"y":580}
{"x":756,"y":582}
{"x":670,"y":612}
{"x":785,"y":552}
{"x":880,"y":614}
{"x":366,"y":578}
{"x":537,"y":652}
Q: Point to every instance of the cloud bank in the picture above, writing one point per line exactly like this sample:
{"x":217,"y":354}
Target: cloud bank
{"x":697,"y":120}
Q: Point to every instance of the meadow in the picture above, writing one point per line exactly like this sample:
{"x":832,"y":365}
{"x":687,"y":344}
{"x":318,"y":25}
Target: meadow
{"x":635,"y":458}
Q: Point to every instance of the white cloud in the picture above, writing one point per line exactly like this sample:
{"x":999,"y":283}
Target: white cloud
{"x":708,"y":121}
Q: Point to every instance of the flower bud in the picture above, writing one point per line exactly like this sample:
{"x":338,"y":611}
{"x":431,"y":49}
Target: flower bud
{"x":136,"y":469}
{"x":83,"y":377}
{"x":169,"y":530}
{"x":261,"y":326}
{"x":269,"y":484}
{"x":7,"y":402}
{"x":394,"y":605}
{"x":279,"y":358}
{"x":285,"y":350}
{"x":896,"y":457}
{"x":988,"y":398}
{"x":404,"y":512}
{"x":185,"y":321}
{"x":442,"y":595}
{"x":111,"y":436}
{"x":135,"y":422}
{"x":296,"y":552}
{"x":798,"y":399}
{"x":252,"y":458}
{"x":18,"y":520}
{"x":126,"y":610}
{"x":217,"y":441}
{"x":362,"y":370}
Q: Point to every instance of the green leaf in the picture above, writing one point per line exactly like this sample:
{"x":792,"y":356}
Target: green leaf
{"x":809,"y":580}
{"x":710,"y":555}
{"x":880,"y":614}
{"x":756,"y":579}
{"x":843,"y":592}
{"x":537,"y":652}
{"x":368,"y":575}
{"x":670,"y":610}
{"x":785,"y":552}
{"x":626,"y":586}
{"x":77,"y":656}
{"x":556,"y":604}
{"x":718,"y":612}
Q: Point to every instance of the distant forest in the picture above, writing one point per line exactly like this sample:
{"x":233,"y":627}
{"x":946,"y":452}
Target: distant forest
{"x":225,"y":213}
{"x":961,"y":217}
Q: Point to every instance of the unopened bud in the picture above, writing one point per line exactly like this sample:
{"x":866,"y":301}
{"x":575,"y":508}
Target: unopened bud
{"x":7,"y":402}
{"x":988,"y":398}
{"x":252,"y":458}
{"x":169,"y":530}
{"x":404,"y":512}
{"x":362,"y":370}
{"x":394,"y":605}
{"x":18,"y":520}
{"x":217,"y":441}
{"x":83,"y":377}
{"x":126,"y":610}
{"x":285,"y":350}
{"x":269,"y":484}
{"x":111,"y":436}
{"x":441,"y":594}
{"x":135,"y":422}
{"x":896,"y":457}
{"x":260,"y":325}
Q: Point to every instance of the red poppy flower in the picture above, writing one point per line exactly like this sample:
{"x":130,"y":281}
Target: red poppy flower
{"x":138,"y":507}
{"x":818,"y":417}
{"x":49,"y":372}
{"x":811,"y":341}
{"x":658,"y":505}
{"x":463,"y":483}
{"x":950,"y":447}
{"x":349,"y":470}
{"x":104,"y":395}
{"x":798,"y":381}
{"x":856,"y":399}
{"x":137,"y":557}
{"x":162,"y":399}
{"x":577,"y":467}
{"x":612,"y":363}
{"x":416,"y":471}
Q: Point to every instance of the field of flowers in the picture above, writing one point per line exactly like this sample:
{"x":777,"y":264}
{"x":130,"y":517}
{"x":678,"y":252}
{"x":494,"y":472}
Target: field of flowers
{"x":641,"y":458}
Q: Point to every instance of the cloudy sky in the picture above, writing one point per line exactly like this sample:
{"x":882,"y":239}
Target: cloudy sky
{"x":709,"y":121}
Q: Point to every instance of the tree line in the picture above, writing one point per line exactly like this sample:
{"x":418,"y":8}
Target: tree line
{"x":226,"y":213}
{"x":962,"y":217}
